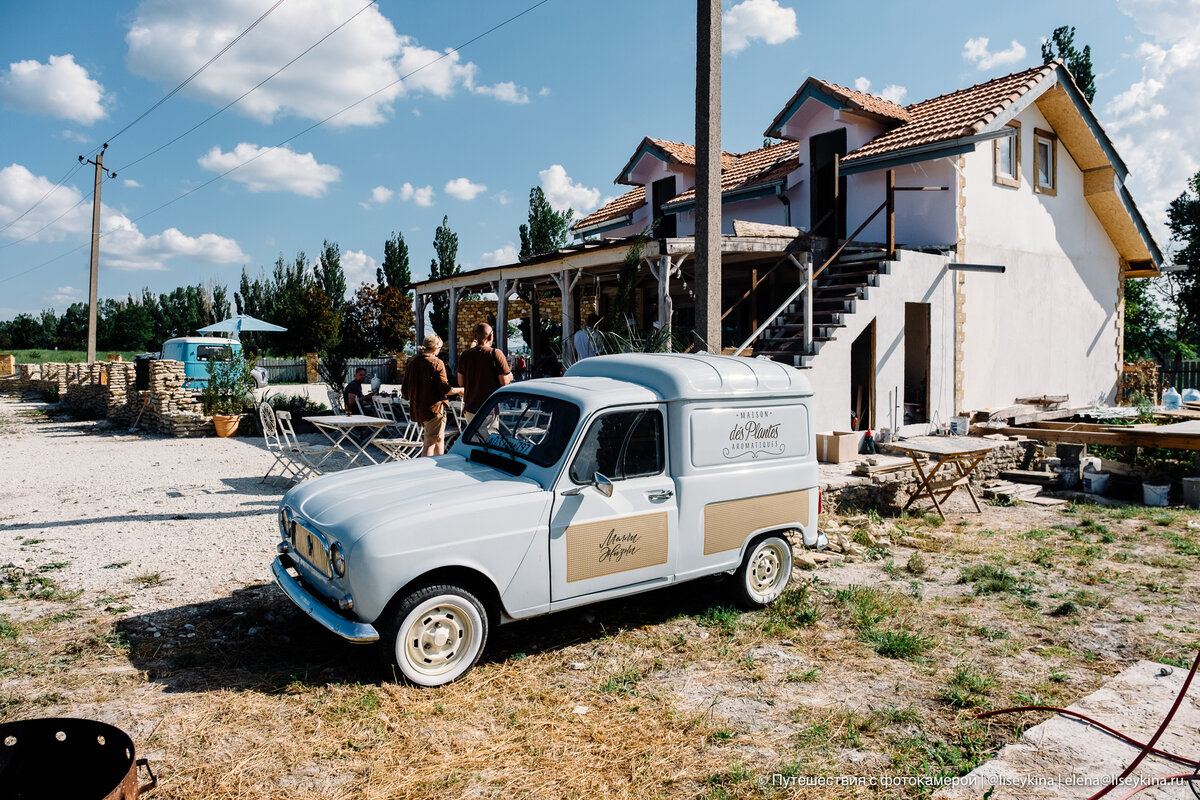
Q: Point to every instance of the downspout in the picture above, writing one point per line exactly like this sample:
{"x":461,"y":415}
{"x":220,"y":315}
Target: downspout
{"x":787,"y":206}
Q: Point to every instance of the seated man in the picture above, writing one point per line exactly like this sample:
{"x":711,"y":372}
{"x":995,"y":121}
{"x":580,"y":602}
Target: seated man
{"x":355,"y":394}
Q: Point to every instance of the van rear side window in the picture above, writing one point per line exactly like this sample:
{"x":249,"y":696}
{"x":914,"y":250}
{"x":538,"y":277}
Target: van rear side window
{"x":214,"y":352}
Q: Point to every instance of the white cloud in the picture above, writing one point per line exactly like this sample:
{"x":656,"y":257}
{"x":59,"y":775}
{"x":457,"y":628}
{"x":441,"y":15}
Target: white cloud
{"x":544,"y":91}
{"x":278,"y":169}
{"x":507,"y":91}
{"x":1153,"y":122}
{"x":168,"y":40}
{"x":892,"y":93}
{"x":359,"y":268}
{"x":123,"y":245}
{"x":75,"y":136}
{"x":422,"y":195}
{"x":381,"y":194}
{"x":976,"y":51}
{"x":563,"y":193}
{"x":501,"y":255}
{"x":503,"y":197}
{"x":63,"y":296}
{"x":756,"y":19}
{"x":60,"y":88}
{"x":131,"y":183}
{"x":463,"y":189}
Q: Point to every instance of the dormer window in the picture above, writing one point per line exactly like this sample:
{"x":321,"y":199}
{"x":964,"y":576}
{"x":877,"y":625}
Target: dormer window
{"x":1008,"y":157}
{"x":1045,"y":162}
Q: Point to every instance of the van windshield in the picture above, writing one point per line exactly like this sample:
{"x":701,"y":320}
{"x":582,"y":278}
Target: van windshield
{"x":526,"y":426}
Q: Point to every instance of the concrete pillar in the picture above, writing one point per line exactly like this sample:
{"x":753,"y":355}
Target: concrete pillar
{"x":420,"y":319}
{"x":452,"y":325}
{"x":708,"y":173}
{"x":502,"y":315}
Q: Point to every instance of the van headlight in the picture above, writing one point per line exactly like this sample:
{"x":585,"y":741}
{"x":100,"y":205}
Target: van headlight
{"x":337,"y":560}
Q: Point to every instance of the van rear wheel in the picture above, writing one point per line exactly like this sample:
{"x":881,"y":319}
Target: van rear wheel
{"x":437,"y":634}
{"x":764,"y":573}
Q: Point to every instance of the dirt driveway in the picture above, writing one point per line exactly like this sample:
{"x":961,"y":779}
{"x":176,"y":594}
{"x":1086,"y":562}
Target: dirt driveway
{"x":137,"y":592}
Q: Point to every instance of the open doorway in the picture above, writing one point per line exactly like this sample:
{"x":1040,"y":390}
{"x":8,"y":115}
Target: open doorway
{"x":862,"y":378}
{"x":827,"y":187}
{"x":916,"y":363}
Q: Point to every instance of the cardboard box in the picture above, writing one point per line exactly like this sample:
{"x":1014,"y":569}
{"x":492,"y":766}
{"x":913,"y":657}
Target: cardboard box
{"x":836,"y":447}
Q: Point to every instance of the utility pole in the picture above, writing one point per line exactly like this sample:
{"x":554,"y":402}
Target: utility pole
{"x":93,"y":285}
{"x":708,"y":174}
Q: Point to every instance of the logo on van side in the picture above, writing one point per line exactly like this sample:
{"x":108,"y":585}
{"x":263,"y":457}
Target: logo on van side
{"x":754,"y":434}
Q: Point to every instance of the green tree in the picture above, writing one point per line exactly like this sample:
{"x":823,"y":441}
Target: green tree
{"x":546,"y":230}
{"x":395,"y":268}
{"x":444,"y":265}
{"x":330,"y":276}
{"x":1061,"y":44}
{"x":1183,"y":218}
{"x":72,"y":327}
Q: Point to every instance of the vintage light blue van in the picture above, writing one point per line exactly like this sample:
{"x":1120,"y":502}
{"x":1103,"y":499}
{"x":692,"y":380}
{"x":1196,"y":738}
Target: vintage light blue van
{"x":629,"y":473}
{"x":195,"y":352}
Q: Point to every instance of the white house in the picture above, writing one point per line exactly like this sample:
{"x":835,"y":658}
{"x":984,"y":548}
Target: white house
{"x":1012,"y":232}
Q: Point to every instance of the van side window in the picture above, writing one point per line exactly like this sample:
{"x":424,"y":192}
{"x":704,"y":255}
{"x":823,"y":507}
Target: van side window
{"x":623,"y":444}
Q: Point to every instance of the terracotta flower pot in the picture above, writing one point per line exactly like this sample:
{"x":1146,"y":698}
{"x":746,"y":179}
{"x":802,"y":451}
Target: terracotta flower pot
{"x":226,"y":424}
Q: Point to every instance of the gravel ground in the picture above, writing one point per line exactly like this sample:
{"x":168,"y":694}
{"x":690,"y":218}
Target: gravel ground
{"x":152,"y":521}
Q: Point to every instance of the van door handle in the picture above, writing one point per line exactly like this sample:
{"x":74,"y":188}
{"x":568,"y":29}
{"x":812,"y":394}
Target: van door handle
{"x":661,"y":494}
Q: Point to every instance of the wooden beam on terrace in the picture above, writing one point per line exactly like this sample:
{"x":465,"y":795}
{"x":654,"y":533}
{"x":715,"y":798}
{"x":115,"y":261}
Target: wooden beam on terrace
{"x":1112,"y":435}
{"x":605,"y":257}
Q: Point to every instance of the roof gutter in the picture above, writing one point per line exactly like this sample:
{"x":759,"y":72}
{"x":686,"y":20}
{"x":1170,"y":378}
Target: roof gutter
{"x":922,"y":152}
{"x":604,"y":227}
{"x":775,"y":187}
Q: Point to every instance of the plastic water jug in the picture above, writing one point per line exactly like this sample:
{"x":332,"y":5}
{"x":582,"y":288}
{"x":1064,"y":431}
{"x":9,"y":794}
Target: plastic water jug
{"x":1171,"y":399}
{"x":1191,"y":395}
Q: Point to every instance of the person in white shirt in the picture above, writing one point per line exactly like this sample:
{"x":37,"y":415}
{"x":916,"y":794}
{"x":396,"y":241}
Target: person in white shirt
{"x":585,"y":339}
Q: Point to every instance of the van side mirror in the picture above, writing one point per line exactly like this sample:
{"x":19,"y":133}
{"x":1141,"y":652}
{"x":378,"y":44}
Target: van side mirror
{"x":603,"y":485}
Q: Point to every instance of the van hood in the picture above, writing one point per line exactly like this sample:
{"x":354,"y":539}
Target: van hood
{"x":352,"y":503}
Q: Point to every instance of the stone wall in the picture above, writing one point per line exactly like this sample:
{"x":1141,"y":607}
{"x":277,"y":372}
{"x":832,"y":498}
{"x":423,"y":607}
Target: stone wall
{"x":889,"y":492}
{"x":8,"y":364}
{"x":472,"y":312}
{"x":107,"y":390}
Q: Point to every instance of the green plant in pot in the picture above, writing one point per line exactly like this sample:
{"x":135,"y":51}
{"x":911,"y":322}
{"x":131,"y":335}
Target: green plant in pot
{"x":228,"y":391}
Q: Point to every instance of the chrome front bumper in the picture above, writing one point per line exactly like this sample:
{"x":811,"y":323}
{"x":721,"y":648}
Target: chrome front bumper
{"x":325,"y":616}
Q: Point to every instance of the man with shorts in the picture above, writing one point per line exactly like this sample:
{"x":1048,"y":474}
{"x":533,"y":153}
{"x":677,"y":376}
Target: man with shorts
{"x":426,"y":389}
{"x":481,"y":370}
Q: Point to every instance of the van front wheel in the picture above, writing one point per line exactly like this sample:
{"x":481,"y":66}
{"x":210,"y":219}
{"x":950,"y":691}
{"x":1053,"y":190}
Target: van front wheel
{"x":765,"y":572}
{"x":437,"y":634}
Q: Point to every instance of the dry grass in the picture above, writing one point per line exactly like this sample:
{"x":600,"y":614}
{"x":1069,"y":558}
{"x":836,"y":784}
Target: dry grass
{"x":672,"y":694}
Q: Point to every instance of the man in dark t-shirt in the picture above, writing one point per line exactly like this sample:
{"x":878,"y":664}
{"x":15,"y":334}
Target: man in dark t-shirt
{"x":481,"y":370}
{"x":354,"y":394}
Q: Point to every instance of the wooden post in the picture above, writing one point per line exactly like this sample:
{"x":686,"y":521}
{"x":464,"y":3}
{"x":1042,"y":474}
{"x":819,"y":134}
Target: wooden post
{"x":502,"y":315}
{"x":452,"y":326}
{"x":891,"y":214}
{"x":420,"y":319}
{"x":708,"y":173}
{"x":753,"y":298}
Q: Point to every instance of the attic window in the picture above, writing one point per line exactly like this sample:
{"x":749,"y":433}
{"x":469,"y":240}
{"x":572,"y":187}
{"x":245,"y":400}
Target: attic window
{"x":1008,"y":158}
{"x":1045,"y":162}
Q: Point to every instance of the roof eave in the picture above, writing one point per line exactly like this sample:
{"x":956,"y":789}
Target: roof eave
{"x":734,"y":195}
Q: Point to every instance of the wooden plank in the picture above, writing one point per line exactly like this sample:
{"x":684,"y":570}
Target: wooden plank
{"x":1036,"y":416}
{"x":1131,"y":439}
{"x":1040,"y":477}
{"x":743,"y":227}
{"x":1044,"y":400}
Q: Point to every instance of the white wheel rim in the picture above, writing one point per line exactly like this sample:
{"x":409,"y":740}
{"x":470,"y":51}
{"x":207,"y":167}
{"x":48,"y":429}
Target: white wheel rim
{"x":439,"y":639}
{"x":767,"y":573}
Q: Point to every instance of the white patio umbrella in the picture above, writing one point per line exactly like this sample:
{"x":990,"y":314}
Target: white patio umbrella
{"x":241,"y":322}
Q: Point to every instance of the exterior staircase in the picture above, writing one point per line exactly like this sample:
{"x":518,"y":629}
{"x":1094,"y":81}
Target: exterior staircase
{"x":836,"y":292}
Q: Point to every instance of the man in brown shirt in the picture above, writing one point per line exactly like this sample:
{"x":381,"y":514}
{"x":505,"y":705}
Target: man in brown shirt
{"x":481,"y":370}
{"x":426,"y":388}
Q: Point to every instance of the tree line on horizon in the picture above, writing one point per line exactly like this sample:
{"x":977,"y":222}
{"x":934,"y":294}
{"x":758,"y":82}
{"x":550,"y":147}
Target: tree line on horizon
{"x":307,"y":297}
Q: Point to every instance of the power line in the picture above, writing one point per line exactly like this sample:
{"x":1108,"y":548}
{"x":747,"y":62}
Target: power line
{"x":291,"y":138}
{"x":203,"y":67}
{"x":70,"y":173}
{"x":226,"y":107}
{"x":28,"y":236}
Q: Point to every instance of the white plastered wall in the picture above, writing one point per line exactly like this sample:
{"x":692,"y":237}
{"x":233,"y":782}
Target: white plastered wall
{"x":915,"y":278}
{"x":1049,"y":324}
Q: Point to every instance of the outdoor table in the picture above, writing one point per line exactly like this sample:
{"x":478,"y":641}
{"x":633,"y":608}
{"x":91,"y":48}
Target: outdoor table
{"x":342,"y":428}
{"x":963,"y":453}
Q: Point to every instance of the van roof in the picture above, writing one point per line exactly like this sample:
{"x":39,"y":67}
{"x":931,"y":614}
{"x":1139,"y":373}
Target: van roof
{"x":681,"y":376}
{"x":202,"y":340}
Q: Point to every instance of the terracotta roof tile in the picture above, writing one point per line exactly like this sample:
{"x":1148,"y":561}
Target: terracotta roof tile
{"x":950,"y":116}
{"x":686,"y":153}
{"x":753,"y":168}
{"x":614,"y":209}
{"x":865,"y":102}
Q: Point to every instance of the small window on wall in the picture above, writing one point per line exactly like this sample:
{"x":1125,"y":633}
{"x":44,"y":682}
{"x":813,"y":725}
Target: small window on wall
{"x":1045,"y":162}
{"x":1008,"y":157}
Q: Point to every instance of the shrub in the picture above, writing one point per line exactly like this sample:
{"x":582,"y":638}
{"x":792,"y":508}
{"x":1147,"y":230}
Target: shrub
{"x":50,"y":395}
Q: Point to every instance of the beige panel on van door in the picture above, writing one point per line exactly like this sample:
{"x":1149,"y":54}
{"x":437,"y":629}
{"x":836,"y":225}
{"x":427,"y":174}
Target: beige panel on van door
{"x":616,"y":545}
{"x":726,"y":525}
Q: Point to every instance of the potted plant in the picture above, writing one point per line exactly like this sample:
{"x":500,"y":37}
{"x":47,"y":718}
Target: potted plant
{"x":227,"y":393}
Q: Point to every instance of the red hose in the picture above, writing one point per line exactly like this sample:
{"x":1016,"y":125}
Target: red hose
{"x":1069,"y":713}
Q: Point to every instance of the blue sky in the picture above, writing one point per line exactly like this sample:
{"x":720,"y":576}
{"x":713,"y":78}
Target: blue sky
{"x":559,"y":98}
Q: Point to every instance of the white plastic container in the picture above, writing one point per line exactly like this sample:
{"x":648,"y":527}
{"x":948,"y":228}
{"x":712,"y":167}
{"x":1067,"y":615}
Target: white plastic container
{"x":1155,"y":494}
{"x":960,"y":426}
{"x":1191,"y":395}
{"x":1171,"y":399}
{"x":1095,"y":482}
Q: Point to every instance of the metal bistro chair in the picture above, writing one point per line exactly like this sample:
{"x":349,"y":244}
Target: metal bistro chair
{"x":304,"y":457}
{"x":275,"y":445}
{"x":406,"y":437}
{"x":336,"y":404}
